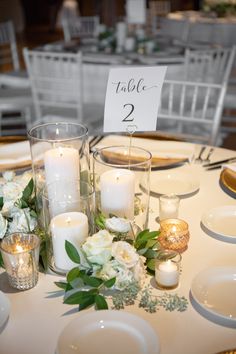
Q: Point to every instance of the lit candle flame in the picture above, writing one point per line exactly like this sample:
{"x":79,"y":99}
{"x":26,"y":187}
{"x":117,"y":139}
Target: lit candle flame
{"x":19,"y":248}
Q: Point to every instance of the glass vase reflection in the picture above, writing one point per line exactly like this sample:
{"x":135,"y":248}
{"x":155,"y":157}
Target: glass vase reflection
{"x":121,"y":177}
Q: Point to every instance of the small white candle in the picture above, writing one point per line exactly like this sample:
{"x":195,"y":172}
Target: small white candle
{"x":117,"y":193}
{"x":61,"y":165}
{"x":72,"y":227}
{"x":167,"y":274}
{"x":168,"y":206}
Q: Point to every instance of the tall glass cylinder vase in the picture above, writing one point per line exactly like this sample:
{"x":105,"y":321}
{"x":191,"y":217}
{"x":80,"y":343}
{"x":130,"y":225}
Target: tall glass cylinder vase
{"x":65,"y":217}
{"x":59,"y":152}
{"x":121,"y":177}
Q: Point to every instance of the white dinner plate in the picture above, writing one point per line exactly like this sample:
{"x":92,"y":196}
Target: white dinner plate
{"x":108,"y":332}
{"x":178,"y":182}
{"x":214,"y":289}
{"x":221,"y":221}
{"x":4,"y":308}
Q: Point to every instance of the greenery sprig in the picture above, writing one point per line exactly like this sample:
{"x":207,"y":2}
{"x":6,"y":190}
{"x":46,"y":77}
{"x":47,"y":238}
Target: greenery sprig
{"x":95,"y":290}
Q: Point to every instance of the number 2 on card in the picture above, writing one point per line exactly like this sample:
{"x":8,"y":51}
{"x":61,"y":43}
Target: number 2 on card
{"x":127,"y":119}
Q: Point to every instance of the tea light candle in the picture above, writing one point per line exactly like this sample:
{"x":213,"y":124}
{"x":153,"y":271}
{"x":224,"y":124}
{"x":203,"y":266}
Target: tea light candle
{"x":72,"y":227}
{"x":117,"y":193}
{"x":167,"y":274}
{"x":168,"y":206}
{"x":60,"y":163}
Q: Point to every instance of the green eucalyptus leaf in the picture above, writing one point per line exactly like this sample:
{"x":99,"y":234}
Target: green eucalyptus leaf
{"x":28,"y":190}
{"x":1,"y":261}
{"x":100,"y":302}
{"x":1,"y":202}
{"x":109,"y":283}
{"x":72,"y":252}
{"x":89,"y":301}
{"x":72,"y":274}
{"x":61,"y":284}
{"x":150,"y":253}
{"x":92,"y":281}
{"x":151,"y":264}
{"x":76,"y":298}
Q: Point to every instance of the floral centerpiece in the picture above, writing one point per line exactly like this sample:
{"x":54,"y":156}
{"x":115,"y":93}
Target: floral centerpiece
{"x":112,"y":265}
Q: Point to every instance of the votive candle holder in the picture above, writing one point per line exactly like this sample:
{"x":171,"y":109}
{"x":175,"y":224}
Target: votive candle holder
{"x":20,"y":253}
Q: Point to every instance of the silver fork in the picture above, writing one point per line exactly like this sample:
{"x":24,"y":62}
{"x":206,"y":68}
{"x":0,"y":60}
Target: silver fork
{"x":199,"y":158}
{"x":207,"y":159}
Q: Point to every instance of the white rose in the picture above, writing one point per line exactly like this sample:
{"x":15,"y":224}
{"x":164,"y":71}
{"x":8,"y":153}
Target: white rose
{"x":123,"y":279}
{"x":22,"y":221}
{"x":9,"y":208}
{"x":108,"y":271}
{"x":124,"y":253}
{"x":12,"y":191}
{"x":118,"y":224}
{"x":3,"y":226}
{"x":8,"y":175}
{"x":115,"y":269}
{"x":98,"y":247}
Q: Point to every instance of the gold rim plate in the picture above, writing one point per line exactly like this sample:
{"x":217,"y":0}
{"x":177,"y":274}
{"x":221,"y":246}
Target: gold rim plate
{"x":228,"y":181}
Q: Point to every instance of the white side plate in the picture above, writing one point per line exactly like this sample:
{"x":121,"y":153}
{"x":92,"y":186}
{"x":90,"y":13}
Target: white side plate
{"x":221,"y":221}
{"x":108,"y":332}
{"x":180,"y":183}
{"x":214,"y":289}
{"x":4,"y":308}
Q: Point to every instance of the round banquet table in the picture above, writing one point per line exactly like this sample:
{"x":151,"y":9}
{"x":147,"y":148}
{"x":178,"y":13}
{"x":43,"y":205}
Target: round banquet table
{"x":37,"y":316}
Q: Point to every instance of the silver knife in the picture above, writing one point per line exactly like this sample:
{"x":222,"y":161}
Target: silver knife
{"x":220,"y":162}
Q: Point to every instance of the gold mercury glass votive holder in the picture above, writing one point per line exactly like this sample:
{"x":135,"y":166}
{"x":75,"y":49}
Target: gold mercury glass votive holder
{"x":20,"y":253}
{"x":174,"y":235}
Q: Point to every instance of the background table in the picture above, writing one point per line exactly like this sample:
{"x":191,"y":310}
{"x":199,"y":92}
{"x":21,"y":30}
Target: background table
{"x":37,"y":316}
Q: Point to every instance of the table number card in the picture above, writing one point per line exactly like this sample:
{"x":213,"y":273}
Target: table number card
{"x":132,"y":98}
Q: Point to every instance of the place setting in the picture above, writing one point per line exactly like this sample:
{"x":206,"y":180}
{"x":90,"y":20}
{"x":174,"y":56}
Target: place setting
{"x":81,"y":213}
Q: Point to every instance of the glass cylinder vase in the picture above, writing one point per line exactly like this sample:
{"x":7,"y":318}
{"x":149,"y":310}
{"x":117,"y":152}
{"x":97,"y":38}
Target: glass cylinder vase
{"x":67,"y":215}
{"x":121,"y":177}
{"x":59,"y":151}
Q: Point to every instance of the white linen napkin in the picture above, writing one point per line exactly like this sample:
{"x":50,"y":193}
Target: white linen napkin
{"x":15,"y":153}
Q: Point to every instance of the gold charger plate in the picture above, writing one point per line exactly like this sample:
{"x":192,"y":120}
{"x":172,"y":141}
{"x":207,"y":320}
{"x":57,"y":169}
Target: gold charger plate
{"x":157,"y":162}
{"x":228,"y":181}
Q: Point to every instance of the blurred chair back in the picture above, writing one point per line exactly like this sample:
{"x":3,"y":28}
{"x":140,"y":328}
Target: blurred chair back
{"x":56,"y":83}
{"x":80,"y":27}
{"x":212,"y":65}
{"x":8,"y":46}
{"x":192,"y":110}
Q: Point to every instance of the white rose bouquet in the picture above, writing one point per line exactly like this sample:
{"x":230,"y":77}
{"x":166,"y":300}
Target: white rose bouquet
{"x":114,"y":267}
{"x":17,"y":203}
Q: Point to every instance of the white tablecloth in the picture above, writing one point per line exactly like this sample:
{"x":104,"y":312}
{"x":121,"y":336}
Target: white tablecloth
{"x":37,"y":317}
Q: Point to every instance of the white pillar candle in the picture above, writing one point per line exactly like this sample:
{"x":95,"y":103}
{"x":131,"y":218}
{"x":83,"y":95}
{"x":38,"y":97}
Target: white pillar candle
{"x":61,"y":165}
{"x":72,"y":227}
{"x":167,"y":274}
{"x":117,"y":193}
{"x":121,"y":33}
